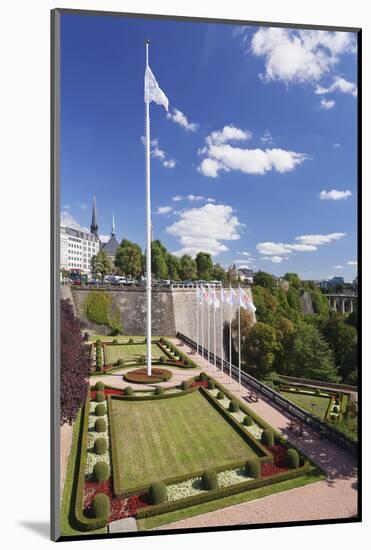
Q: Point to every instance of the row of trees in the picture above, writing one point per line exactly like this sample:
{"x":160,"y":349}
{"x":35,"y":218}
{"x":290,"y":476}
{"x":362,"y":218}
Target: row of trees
{"x":322,"y":346}
{"x":130,"y":262}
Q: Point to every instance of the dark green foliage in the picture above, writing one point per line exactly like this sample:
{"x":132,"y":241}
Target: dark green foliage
{"x":100,"y":446}
{"x":203,"y":377}
{"x":220,"y":395}
{"x":101,"y":506}
{"x":99,"y":386}
{"x":99,"y":397}
{"x":211,"y":385}
{"x":185,"y":384}
{"x":267,"y":438}
{"x":252,"y":468}
{"x":115,"y":341}
{"x":157,"y":492}
{"x":101,"y":471}
{"x":100,"y":410}
{"x":128,"y":390}
{"x":162,"y":359}
{"x":129,"y":259}
{"x":204,"y":265}
{"x":120,"y":362}
{"x":100,"y":425}
{"x":233,"y":407}
{"x":159,"y":390}
{"x":188,"y":269}
{"x":100,"y":309}
{"x":317,"y":391}
{"x":335,"y":409}
{"x":209,"y":480}
{"x":131,"y":341}
{"x":248,"y":421}
{"x":292,"y":458}
{"x":333,"y":417}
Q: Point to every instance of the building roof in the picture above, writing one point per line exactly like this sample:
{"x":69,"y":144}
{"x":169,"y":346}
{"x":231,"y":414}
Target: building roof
{"x":111,"y":246}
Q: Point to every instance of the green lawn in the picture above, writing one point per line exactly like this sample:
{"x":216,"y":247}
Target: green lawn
{"x":163,"y":438}
{"x":130,"y":352}
{"x":305,"y":401}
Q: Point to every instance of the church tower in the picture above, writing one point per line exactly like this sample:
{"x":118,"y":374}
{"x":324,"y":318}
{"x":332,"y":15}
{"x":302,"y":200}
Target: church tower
{"x":94,"y":220}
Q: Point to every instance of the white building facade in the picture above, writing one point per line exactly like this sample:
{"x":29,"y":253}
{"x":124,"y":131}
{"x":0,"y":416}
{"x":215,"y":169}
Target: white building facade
{"x":77,"y":248}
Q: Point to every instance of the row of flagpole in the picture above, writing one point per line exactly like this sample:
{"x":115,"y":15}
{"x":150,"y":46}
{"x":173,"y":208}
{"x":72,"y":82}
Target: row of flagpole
{"x":207,"y":295}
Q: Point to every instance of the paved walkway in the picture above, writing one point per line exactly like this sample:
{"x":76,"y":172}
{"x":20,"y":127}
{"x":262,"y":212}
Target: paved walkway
{"x":66,"y":432}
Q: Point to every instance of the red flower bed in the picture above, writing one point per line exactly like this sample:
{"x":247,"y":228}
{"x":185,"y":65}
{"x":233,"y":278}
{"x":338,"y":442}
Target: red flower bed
{"x":270,"y":469}
{"x":121,"y":507}
{"x":107,"y":391}
{"x":278,"y":466}
{"x":199,"y":383}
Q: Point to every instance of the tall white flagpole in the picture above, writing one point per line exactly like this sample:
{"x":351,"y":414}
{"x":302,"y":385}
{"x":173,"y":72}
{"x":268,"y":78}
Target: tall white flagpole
{"x":239,"y":337}
{"x":221,"y":325}
{"x":148,"y":228}
{"x":215,"y":298}
{"x":208,"y":329}
{"x":230,"y":333}
{"x":202,"y":323}
{"x":197,"y":327}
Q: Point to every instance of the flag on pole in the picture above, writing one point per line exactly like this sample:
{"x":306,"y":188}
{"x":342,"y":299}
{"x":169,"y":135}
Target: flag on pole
{"x":214,"y":298}
{"x":224,"y":296}
{"x":233,"y":297}
{"x":152,"y":91}
{"x":199,"y":295}
{"x":207,"y":296}
{"x":245,"y":301}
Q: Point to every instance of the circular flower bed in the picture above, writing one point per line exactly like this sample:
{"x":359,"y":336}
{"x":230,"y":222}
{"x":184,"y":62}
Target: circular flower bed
{"x":140,"y":376}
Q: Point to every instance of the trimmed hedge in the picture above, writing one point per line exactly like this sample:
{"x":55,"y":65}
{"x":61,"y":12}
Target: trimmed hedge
{"x":101,"y":506}
{"x":211,"y":385}
{"x":185,"y":384}
{"x":101,"y":471}
{"x":317,"y":391}
{"x":120,"y":362}
{"x":100,"y":410}
{"x":267,"y":438}
{"x":99,"y":386}
{"x":115,"y":341}
{"x":99,"y":396}
{"x":248,"y":421}
{"x":234,"y":407}
{"x":292,"y":458}
{"x":100,"y":446}
{"x":159,"y":391}
{"x":209,"y":480}
{"x":157,"y":492}
{"x":252,"y":468}
{"x":128,"y":390}
{"x":131,"y":341}
{"x":100,"y":425}
{"x":203,"y":377}
{"x":220,"y":395}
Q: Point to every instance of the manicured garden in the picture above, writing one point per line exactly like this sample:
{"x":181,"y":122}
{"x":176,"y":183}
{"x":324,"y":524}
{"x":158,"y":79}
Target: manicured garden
{"x":305,"y":401}
{"x":130,"y":352}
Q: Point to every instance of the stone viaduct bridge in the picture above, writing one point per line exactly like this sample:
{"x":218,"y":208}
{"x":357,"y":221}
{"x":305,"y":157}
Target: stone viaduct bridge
{"x":342,"y":302}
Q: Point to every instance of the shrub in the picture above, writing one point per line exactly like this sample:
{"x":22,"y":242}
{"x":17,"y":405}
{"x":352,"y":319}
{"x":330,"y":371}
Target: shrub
{"x":157,"y":492}
{"x":120,"y":362}
{"x":186,"y":362}
{"x":162,"y":359}
{"x":203,"y":377}
{"x":335,"y":409}
{"x":159,"y":390}
{"x":98,"y":305}
{"x":139,"y":360}
{"x":100,"y":425}
{"x":220,"y":395}
{"x":292,"y":458}
{"x":100,"y":446}
{"x":211,"y":385}
{"x":333,"y":417}
{"x":317,"y":391}
{"x":252,"y":468}
{"x":101,"y":471}
{"x":131,"y":341}
{"x":98,"y":342}
{"x":233,"y":407}
{"x":115,"y":341}
{"x":101,"y":506}
{"x":128,"y":390}
{"x":185,"y":384}
{"x":248,"y":421}
{"x":100,"y":410}
{"x":99,"y":396}
{"x":209,"y":480}
{"x":99,"y":386}
{"x":267,"y":438}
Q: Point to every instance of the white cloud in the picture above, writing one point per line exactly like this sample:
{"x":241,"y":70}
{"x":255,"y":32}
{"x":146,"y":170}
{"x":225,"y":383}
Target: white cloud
{"x":66,"y":206}
{"x":104,"y":238}
{"x":210,"y":168}
{"x":243,"y":253}
{"x":160,"y":154}
{"x":245,"y":261}
{"x":69,"y":221}
{"x":302,"y":56}
{"x":327,"y":104}
{"x":339,"y":84}
{"x":164,"y":209}
{"x":272,"y":249}
{"x":317,"y":240}
{"x":205,"y":228}
{"x":192,"y":198}
{"x":335,"y":195}
{"x":338,"y":267}
{"x":267,"y":138}
{"x":274,"y":259}
{"x":336,"y":145}
{"x":352,"y":262}
{"x":228,"y":133}
{"x":180,"y":118}
{"x":169,"y":163}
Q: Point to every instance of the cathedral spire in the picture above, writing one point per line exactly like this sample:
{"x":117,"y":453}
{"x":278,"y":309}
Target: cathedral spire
{"x":113,"y":230}
{"x":94,"y":219}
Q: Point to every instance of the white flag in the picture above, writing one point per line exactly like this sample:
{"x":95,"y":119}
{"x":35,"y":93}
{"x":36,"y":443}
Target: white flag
{"x":152,"y":91}
{"x":232,"y":296}
{"x":246,"y":302}
{"x":214,"y":297}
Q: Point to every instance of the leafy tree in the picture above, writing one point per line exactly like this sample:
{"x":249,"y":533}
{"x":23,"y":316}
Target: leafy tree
{"x":187,"y":268}
{"x":293,"y":279}
{"x":286,"y":332}
{"x":101,"y":264}
{"x":129,"y":259}
{"x":173,"y":266}
{"x":101,"y":310}
{"x":218,"y":273}
{"x":352,"y":319}
{"x":342,"y":338}
{"x":258,"y":348}
{"x":265,"y":280}
{"x":75,"y":363}
{"x":159,"y":255}
{"x":204,"y":265}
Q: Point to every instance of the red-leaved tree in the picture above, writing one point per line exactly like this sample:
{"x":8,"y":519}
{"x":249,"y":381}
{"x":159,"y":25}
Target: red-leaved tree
{"x":75,"y":363}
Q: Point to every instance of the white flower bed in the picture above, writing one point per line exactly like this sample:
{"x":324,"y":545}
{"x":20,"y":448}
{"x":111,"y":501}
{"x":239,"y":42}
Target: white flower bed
{"x":231,"y":477}
{"x":91,"y":457}
{"x":188,"y":488}
{"x":255,"y":430}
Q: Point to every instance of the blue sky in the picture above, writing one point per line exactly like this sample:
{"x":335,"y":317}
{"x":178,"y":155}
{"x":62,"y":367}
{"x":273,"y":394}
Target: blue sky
{"x":255,"y":161}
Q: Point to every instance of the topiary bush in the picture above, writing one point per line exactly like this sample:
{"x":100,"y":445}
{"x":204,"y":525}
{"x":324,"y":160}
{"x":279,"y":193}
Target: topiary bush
{"x":98,"y":342}
{"x":220,"y":395}
{"x":120,"y":362}
{"x":101,"y":506}
{"x":248,"y":421}
{"x":100,"y":446}
{"x":115,"y":341}
{"x":157,"y":492}
{"x":99,"y":396}
{"x":209,"y":480}
{"x":159,"y":390}
{"x":333,"y":417}
{"x":203,"y":377}
{"x":139,"y":360}
{"x":185,"y":384}
{"x":335,"y":409}
{"x":99,"y":386}
{"x":101,"y":471}
{"x":317,"y":391}
{"x":267,"y":438}
{"x":100,"y":425}
{"x":100,"y":410}
{"x":233,"y":407}
{"x":292,"y":458}
{"x":162,"y":359}
{"x":211,"y":385}
{"x":128,"y":390}
{"x":252,"y":468}
{"x":131,"y":341}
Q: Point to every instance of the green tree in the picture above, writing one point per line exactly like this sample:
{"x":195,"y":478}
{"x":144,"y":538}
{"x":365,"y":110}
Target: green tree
{"x":101,"y":264}
{"x":258,"y":348}
{"x":218,"y":273}
{"x":266,"y":280}
{"x":204,"y":265}
{"x":159,"y":265}
{"x":188,"y":268}
{"x":129,"y":259}
{"x":293,"y":279}
{"x":173,"y":266}
{"x":342,"y":339}
{"x":286,"y":332}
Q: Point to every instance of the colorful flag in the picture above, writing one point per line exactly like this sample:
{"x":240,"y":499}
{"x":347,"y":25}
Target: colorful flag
{"x":152,"y":91}
{"x":206,"y":295}
{"x":224,"y":296}
{"x":216,"y":302}
{"x":232,"y":296}
{"x":245,"y":301}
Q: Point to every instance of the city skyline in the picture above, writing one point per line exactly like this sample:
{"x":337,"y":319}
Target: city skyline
{"x":247,"y":141}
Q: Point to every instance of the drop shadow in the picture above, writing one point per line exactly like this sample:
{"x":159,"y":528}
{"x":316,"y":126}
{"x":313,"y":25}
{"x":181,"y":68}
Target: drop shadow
{"x":41,"y":528}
